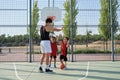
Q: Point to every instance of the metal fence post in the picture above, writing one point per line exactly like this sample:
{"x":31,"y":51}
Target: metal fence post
{"x":30,"y":30}
{"x":112,"y":33}
{"x":71,"y":29}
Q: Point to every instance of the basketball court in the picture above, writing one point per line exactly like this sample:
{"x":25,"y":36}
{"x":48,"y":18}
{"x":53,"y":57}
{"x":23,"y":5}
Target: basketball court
{"x":18,"y":63}
{"x":100,"y":70}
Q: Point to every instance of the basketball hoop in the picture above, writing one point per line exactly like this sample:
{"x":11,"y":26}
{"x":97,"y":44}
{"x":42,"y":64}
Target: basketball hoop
{"x":51,"y":12}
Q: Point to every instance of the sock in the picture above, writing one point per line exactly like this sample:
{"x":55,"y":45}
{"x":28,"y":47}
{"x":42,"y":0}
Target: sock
{"x":40,"y":65}
{"x":47,"y":66}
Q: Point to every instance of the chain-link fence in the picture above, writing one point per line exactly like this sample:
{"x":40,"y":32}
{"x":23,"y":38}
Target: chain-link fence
{"x":13,"y":25}
{"x":88,"y":43}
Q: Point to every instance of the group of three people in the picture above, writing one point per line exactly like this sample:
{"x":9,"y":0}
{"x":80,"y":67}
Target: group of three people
{"x":47,"y":47}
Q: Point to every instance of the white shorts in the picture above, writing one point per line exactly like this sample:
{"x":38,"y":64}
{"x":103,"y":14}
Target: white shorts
{"x":45,"y":46}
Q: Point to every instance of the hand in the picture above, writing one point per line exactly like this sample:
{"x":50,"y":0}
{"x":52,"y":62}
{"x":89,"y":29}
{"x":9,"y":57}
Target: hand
{"x":68,"y":44}
{"x":68,"y":41}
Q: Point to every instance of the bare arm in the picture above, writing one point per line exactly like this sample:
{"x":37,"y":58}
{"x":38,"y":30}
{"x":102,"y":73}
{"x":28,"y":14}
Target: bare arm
{"x":68,"y":44}
{"x":48,"y":28}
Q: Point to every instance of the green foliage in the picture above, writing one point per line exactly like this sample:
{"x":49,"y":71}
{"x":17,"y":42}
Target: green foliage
{"x":21,"y":40}
{"x":117,"y":37}
{"x":117,"y":50}
{"x":16,"y":40}
{"x":105,"y":19}
{"x":114,"y":12}
{"x":85,"y":51}
{"x":82,"y":39}
{"x":35,"y":20}
{"x":66,"y":19}
{"x":34,"y":52}
{"x":104,"y":24}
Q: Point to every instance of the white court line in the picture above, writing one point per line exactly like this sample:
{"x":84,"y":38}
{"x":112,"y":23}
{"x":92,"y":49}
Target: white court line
{"x":86,"y":72}
{"x":16,"y":72}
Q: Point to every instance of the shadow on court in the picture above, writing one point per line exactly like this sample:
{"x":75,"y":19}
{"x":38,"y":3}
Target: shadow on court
{"x":5,"y":78}
{"x":101,"y":78}
{"x":66,"y":74}
{"x":76,"y":71}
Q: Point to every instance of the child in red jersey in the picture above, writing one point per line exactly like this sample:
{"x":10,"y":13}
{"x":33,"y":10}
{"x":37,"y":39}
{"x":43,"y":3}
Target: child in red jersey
{"x":54,"y":52}
{"x":64,"y":46}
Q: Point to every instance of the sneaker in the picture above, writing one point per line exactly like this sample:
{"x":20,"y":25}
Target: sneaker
{"x":55,"y":66}
{"x":65,"y":68}
{"x":48,"y":70}
{"x":40,"y":69}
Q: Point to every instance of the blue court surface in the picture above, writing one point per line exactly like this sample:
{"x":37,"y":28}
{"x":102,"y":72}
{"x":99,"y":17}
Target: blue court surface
{"x":92,"y":70}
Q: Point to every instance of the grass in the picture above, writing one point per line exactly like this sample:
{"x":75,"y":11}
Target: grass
{"x":90,"y":51}
{"x":81,"y":51}
{"x":117,"y":50}
{"x":34,"y":53}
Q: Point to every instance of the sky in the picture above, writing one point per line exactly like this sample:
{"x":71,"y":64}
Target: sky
{"x":14,"y":15}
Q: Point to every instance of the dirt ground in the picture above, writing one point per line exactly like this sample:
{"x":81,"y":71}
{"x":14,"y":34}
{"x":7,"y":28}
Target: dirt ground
{"x":19,"y":53}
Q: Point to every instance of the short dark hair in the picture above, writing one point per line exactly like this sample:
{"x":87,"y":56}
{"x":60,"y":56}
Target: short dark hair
{"x":67,"y":38}
{"x":48,"y":20}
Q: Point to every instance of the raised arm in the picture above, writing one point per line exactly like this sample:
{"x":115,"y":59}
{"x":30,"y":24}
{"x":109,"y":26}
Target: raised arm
{"x":68,"y":44}
{"x":48,"y":28}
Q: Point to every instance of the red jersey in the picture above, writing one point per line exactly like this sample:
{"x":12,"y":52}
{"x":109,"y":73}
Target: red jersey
{"x":54,"y":49}
{"x":63,"y":49}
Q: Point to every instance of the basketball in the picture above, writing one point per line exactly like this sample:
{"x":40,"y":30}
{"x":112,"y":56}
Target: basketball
{"x":52,"y":17}
{"x":62,"y":66}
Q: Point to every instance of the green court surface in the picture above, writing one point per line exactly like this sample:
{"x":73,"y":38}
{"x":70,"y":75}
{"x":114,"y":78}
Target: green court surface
{"x":98,"y":70}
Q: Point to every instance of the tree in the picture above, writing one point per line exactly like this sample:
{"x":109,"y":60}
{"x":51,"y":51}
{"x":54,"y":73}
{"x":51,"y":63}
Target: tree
{"x":115,"y":17}
{"x":104,"y":23}
{"x":35,"y":20}
{"x":88,"y":34}
{"x":66,"y":19}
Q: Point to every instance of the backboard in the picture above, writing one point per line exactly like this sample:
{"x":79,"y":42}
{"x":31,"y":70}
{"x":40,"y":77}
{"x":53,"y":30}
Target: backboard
{"x":53,"y":12}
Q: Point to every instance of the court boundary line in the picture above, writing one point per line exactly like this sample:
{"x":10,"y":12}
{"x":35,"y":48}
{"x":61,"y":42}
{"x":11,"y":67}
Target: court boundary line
{"x":27,"y":75}
{"x":16,"y":72}
{"x":86,"y":72}
{"x":32,"y":70}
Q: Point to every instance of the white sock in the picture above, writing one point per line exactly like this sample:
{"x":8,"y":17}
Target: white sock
{"x":47,"y":66}
{"x":40,"y":65}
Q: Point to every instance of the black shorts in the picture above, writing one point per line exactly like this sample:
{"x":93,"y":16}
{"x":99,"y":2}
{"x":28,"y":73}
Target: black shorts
{"x":62,"y":57}
{"x":53,"y":57}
